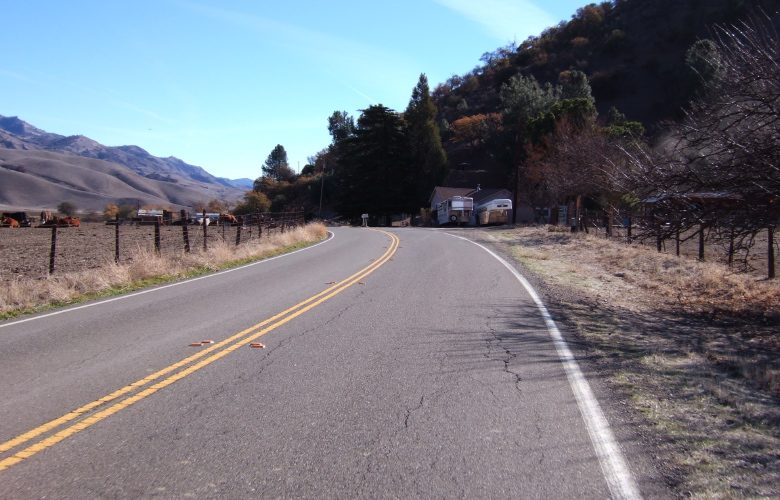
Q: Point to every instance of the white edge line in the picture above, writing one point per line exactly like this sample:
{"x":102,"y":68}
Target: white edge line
{"x":613,"y":464}
{"x":163,"y":287}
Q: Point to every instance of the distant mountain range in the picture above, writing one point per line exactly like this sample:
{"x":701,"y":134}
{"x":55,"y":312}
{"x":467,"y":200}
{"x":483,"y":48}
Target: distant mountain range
{"x":39,"y":170}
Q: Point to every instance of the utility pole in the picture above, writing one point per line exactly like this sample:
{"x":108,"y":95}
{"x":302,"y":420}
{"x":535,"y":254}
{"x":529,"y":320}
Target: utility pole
{"x":322,"y":187}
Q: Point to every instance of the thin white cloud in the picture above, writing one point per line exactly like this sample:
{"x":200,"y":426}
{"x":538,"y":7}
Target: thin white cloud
{"x":16,"y":76}
{"x":175,"y":90}
{"x":350,"y":87}
{"x":274,"y":30}
{"x":505,"y":20}
{"x":371,"y":65}
{"x":139,"y":110}
{"x":361,"y":94}
{"x":108,"y":96}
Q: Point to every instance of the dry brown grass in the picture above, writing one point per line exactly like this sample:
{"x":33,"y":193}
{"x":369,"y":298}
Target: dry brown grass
{"x":691,"y":347}
{"x":144,"y":266}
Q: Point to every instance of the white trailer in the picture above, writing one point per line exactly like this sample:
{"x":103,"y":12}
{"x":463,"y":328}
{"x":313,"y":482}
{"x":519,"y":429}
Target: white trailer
{"x":455,"y":210}
{"x":493,"y":212}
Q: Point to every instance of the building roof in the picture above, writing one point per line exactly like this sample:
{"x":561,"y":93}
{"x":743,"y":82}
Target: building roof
{"x":446,"y":192}
{"x":488,"y":194}
{"x":477,"y":194}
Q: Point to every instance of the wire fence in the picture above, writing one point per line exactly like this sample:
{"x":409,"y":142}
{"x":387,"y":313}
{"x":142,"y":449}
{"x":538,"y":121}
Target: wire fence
{"x":36,"y":252}
{"x":705,"y":242}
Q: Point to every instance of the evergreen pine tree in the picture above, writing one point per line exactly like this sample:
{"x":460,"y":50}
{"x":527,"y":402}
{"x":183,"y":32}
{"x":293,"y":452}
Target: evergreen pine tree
{"x":576,"y":86}
{"x":428,"y":160}
{"x":373,"y":169}
{"x":276,"y":165}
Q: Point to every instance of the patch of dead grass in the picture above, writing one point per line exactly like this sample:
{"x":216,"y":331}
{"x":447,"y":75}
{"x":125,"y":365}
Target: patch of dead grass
{"x":144,"y":266}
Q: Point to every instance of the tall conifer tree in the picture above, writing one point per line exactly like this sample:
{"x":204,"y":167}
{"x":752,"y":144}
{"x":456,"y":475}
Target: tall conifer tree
{"x":277,"y":166}
{"x":428,"y":160}
{"x":373,"y":169}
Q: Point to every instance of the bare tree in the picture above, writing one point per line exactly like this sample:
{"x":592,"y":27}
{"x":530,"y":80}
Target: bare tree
{"x":578,"y":160}
{"x":721,"y":165}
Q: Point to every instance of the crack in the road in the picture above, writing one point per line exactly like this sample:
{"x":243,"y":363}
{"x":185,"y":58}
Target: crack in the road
{"x":302,"y":333}
{"x":409,"y":411}
{"x":506,"y":356}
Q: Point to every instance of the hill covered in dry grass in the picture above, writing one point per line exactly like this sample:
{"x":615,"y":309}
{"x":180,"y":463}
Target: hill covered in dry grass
{"x":40,"y":180}
{"x":40,"y":169}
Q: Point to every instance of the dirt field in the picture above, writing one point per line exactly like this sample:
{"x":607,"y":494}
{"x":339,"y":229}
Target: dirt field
{"x":25,"y":252}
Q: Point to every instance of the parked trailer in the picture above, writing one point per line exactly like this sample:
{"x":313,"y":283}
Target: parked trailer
{"x":152,"y":217}
{"x":455,"y":210}
{"x":493,"y":212}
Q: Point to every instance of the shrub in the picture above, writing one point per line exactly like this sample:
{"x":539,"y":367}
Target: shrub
{"x":67,"y":208}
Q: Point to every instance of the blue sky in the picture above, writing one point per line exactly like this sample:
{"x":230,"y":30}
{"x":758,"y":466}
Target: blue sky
{"x":219,"y":84}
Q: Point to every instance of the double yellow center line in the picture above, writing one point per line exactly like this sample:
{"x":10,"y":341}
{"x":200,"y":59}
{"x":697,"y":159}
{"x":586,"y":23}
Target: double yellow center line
{"x":85,"y":418}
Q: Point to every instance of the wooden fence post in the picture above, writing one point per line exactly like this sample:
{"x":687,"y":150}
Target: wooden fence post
{"x":677,"y":242}
{"x":628,"y":230}
{"x":116,"y":240}
{"x":53,"y":247}
{"x":205,"y":231}
{"x":185,"y":231}
{"x":238,"y":235}
{"x":572,"y":218}
{"x":731,"y":246}
{"x":771,"y":253}
{"x":578,"y":215}
{"x":157,"y":235}
{"x":701,"y":242}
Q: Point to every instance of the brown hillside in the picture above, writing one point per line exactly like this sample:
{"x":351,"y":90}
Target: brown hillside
{"x":38,"y":180}
{"x":181,"y":183}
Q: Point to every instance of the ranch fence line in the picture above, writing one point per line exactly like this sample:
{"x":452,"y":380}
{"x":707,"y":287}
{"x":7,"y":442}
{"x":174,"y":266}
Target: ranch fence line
{"x":648,"y":229}
{"x":88,"y":245}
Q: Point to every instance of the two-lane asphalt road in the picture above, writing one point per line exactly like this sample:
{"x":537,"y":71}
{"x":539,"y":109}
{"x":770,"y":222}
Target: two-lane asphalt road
{"x":405,"y":363}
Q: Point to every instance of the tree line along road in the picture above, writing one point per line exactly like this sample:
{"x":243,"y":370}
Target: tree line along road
{"x":399,"y":363}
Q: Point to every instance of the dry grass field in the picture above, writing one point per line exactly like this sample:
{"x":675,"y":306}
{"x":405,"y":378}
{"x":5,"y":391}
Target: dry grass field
{"x":25,"y":252}
{"x":690,"y":349}
{"x":85,"y":258}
